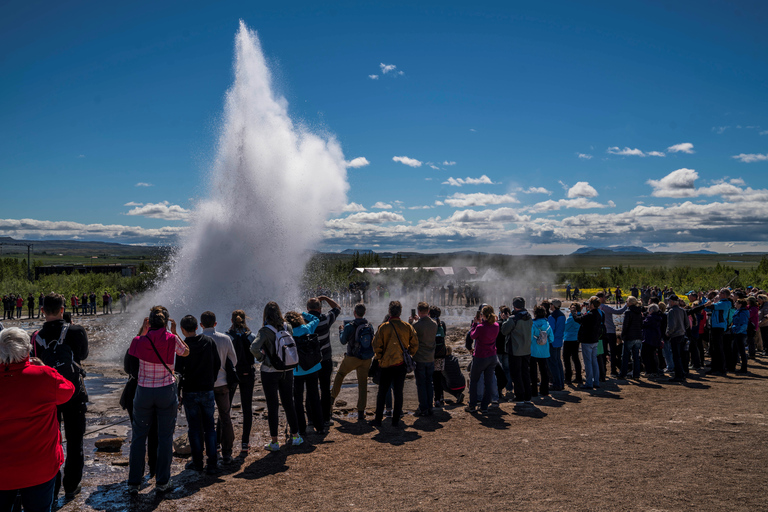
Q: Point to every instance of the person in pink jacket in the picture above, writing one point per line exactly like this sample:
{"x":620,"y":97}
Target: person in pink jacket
{"x":484,"y":331}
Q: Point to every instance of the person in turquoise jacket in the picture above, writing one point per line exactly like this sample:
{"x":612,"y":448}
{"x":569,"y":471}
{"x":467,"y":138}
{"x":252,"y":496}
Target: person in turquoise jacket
{"x":739,"y":334}
{"x":719,"y":344}
{"x":540,"y":351}
{"x":306,"y":378}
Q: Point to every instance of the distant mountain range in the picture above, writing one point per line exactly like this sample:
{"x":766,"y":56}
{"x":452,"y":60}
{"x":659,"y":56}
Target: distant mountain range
{"x":76,"y":248}
{"x":623,"y":249}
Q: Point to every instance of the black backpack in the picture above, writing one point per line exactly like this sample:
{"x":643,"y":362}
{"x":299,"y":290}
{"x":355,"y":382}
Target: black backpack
{"x":59,"y":356}
{"x":440,"y":351}
{"x":308,"y":347}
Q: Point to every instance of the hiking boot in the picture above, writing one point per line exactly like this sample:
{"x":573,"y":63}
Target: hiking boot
{"x":133,"y":490}
{"x":163,"y":487}
{"x":460,"y":398}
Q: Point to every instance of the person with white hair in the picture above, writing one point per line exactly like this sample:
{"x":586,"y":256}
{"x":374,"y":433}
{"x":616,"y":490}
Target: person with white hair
{"x":30,"y":437}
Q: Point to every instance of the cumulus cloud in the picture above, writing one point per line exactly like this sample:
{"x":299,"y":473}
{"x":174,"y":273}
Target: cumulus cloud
{"x":585,"y":156}
{"x":748,"y":158}
{"x":459,"y":200}
{"x":367,"y":218}
{"x":449,"y":163}
{"x":163,"y":210}
{"x":142,"y":184}
{"x":35,"y":229}
{"x":679,"y":183}
{"x":425,"y":207}
{"x":411,"y":162}
{"x":133,"y":203}
{"x":458,"y":182}
{"x":582,"y":189}
{"x":683,"y":147}
{"x":487,"y":216}
{"x":354,"y":207}
{"x":373,"y":77}
{"x":655,"y":153}
{"x":434,"y":166}
{"x":581,"y":203}
{"x":358,"y":162}
{"x":537,"y":190}
{"x":381,"y":205}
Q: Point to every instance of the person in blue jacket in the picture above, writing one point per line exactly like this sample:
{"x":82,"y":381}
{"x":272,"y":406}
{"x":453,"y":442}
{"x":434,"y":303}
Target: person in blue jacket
{"x":571,"y":345}
{"x":555,"y":361}
{"x":720,"y":312}
{"x":541,"y":341}
{"x":306,"y":378}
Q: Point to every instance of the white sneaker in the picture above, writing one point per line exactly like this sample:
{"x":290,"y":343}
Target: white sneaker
{"x":297,"y":440}
{"x":272,"y":447}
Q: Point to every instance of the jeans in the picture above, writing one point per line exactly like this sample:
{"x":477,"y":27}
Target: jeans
{"x":542,"y":365}
{"x":313,"y":400}
{"x":279,"y":384}
{"x":482,"y":367}
{"x":161,"y":402}
{"x":631,"y":348}
{"x":424,"y":388}
{"x":677,"y":345}
{"x":494,"y":389}
{"x":151,"y":441}
{"x":199,"y":407}
{"x":37,"y":498}
{"x":394,"y":377}
{"x":555,"y":364}
{"x":72,"y":414}
{"x":571,"y":354}
{"x":246,"y":385}
{"x":521,"y":367}
{"x":589,"y":352}
{"x":225,"y":432}
{"x":504,"y":360}
{"x":324,"y":375}
{"x":361,"y":366}
{"x":667,"y":351}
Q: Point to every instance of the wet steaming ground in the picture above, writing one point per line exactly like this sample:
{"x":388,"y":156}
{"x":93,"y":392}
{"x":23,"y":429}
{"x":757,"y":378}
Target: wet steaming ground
{"x":645,"y":445}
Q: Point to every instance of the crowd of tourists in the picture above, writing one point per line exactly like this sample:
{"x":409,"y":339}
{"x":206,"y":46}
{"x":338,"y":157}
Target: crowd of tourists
{"x":78,"y":305}
{"x":517,"y":354}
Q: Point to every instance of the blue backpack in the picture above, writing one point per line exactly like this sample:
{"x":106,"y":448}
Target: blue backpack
{"x":363,"y":347}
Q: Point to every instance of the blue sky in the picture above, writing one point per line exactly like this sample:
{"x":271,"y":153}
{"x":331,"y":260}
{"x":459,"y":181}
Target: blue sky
{"x":525,"y":127}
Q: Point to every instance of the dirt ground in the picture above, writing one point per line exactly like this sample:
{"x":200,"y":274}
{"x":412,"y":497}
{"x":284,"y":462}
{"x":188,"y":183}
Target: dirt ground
{"x":646,"y":445}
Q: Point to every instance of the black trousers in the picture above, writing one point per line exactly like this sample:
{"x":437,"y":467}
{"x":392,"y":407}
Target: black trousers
{"x":300,"y":382}
{"x":677,"y":344}
{"x":324,"y":376}
{"x":730,"y":354}
{"x":650,"y":361}
{"x":520,"y":366}
{"x":278,"y":388}
{"x":392,"y":376}
{"x":613,"y":346}
{"x":246,"y":385}
{"x":543,"y":370}
{"x":72,"y":414}
{"x":716,"y":349}
{"x":696,"y":350}
{"x":571,"y":354}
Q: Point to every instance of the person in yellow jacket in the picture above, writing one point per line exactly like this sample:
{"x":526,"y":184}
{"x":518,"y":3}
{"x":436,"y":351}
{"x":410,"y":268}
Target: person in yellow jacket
{"x":392,"y":337}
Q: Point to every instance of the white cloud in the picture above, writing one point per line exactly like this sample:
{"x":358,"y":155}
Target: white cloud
{"x":537,"y":190}
{"x":764,"y":132}
{"x":412,"y":162}
{"x":632,"y":152}
{"x":459,"y":200}
{"x":748,"y":158}
{"x":386,"y":68}
{"x":737,"y":181}
{"x":30,"y":228}
{"x":142,"y":184}
{"x":366,"y":218}
{"x":354,"y":207}
{"x":83,"y":156}
{"x":458,"y":182}
{"x":585,"y":156}
{"x":163,"y":210}
{"x":581,"y":203}
{"x":133,"y":203}
{"x":582,"y":189}
{"x":439,"y":203}
{"x":425,"y":207}
{"x":373,"y":77}
{"x":683,"y":147}
{"x":380,"y":205}
{"x":679,"y":183}
{"x":472,"y":130}
{"x":449,"y":162}
{"x":719,"y":129}
{"x":358,"y":162}
{"x":487,"y":216}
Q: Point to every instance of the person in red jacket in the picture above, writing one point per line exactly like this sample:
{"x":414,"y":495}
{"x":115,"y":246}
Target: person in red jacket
{"x":30,"y":439}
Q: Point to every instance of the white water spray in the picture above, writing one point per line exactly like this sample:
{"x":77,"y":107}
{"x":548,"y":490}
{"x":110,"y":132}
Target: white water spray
{"x":271,"y":189}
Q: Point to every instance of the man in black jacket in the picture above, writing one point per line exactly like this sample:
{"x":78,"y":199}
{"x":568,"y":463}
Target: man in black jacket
{"x":198,"y":373}
{"x":632,"y":337}
{"x":323,"y":331}
{"x":71,"y":413}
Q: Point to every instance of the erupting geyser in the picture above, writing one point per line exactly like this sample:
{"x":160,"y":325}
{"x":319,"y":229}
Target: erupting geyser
{"x":272,"y":187}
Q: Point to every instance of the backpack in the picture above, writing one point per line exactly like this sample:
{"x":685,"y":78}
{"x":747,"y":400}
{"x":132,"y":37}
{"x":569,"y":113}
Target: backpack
{"x":59,"y":356}
{"x":308,"y":347}
{"x":542,"y":338}
{"x":286,"y":355}
{"x":363,"y":348}
{"x":440,"y":340}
